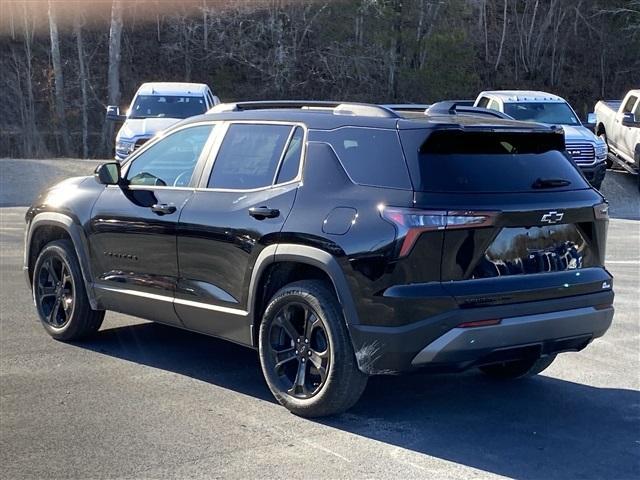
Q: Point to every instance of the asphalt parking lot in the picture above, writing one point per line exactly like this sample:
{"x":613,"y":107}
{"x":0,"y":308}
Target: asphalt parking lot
{"x":143,"y":400}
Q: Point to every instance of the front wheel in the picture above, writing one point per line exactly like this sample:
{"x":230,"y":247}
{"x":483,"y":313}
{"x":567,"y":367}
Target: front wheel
{"x":306,"y":353}
{"x":60,"y":295}
{"x":518,"y":369}
{"x":603,"y":137}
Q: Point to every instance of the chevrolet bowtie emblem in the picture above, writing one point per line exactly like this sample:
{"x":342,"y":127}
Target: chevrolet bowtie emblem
{"x":552,"y":217}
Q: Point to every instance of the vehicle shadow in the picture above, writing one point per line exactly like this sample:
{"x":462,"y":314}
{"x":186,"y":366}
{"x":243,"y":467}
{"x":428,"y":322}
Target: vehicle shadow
{"x":536,"y":428}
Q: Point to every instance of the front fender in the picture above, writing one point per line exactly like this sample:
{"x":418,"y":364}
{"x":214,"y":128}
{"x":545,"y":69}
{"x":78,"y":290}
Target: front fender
{"x":78,"y":238}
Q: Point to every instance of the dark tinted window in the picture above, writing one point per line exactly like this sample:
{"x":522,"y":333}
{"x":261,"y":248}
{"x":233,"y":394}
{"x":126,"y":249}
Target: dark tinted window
{"x":489,"y":162}
{"x":291,"y":161}
{"x":249,"y":156}
{"x":171,"y":161}
{"x":169,"y":106}
{"x":370,"y":156}
{"x":544,"y":112}
{"x":484,"y":101}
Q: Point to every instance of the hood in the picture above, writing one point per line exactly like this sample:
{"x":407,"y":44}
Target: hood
{"x":578,"y":134}
{"x":145,"y":127}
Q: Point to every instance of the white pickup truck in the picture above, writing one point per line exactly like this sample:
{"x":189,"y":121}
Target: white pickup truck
{"x":588,"y":151}
{"x":618,"y":124}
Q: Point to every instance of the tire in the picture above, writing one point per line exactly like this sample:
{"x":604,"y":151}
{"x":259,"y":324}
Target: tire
{"x":314,"y":374}
{"x":518,"y":369}
{"x":603,"y":136}
{"x":60,"y":296}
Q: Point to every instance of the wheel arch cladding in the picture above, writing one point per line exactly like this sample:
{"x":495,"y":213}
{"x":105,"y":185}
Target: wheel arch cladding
{"x":297,"y":262}
{"x":49,"y":226}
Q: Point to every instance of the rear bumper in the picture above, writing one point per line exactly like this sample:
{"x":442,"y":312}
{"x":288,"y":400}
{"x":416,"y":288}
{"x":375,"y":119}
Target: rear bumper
{"x":529,"y":328}
{"x":595,"y":173}
{"x":540,"y":334}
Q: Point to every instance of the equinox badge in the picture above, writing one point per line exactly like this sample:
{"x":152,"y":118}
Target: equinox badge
{"x":552,"y":217}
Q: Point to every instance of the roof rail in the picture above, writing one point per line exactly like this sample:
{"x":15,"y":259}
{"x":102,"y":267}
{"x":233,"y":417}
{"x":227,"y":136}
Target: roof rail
{"x":457,"y":107}
{"x":338,"y":108}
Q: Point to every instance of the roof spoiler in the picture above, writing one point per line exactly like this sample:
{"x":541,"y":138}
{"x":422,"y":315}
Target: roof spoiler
{"x":337,"y":108}
{"x":457,"y":107}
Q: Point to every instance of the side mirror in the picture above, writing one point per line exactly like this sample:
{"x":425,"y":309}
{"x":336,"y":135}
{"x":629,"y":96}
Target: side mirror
{"x":590,"y":123}
{"x":113,"y":114}
{"x":108,"y":173}
{"x":629,"y":119}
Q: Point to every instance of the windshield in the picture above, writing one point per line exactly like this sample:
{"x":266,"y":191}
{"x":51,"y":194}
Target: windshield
{"x":167,"y":106}
{"x":552,"y":113}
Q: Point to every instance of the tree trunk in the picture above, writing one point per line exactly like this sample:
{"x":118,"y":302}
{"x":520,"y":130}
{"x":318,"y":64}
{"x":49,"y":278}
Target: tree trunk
{"x":61,"y":121}
{"x":83,"y":88}
{"x":504,"y":31}
{"x":113,"y":73}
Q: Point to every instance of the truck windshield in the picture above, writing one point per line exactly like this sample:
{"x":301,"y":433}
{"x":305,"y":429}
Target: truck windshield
{"x":167,"y":106}
{"x":543,"y":112}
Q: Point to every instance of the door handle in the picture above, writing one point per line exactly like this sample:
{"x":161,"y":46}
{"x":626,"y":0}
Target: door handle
{"x":163,"y":208}
{"x":261,"y":213}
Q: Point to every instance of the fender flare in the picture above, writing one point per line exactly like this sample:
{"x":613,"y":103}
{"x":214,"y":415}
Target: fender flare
{"x":311,"y":256}
{"x":78,"y":238}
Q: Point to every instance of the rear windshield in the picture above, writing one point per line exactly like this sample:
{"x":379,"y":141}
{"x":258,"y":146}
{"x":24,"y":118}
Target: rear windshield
{"x":485,"y":162}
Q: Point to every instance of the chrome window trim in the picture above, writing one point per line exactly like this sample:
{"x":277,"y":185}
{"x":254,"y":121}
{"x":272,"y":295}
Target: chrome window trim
{"x":210,"y":162}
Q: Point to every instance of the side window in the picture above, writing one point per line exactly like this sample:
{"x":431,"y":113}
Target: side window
{"x":493,"y":105}
{"x":291,"y":161}
{"x":210,"y":98}
{"x":371,"y":156}
{"x":171,"y":161}
{"x":249,"y":156}
{"x":484,"y":101}
{"x":629,"y":105}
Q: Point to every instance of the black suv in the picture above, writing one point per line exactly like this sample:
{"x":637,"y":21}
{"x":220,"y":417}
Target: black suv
{"x":340,"y":240}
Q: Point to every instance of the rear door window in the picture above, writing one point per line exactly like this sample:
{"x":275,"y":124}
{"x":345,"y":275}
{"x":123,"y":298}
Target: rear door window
{"x":249,"y":156}
{"x":370,"y":156}
{"x":290,"y":164}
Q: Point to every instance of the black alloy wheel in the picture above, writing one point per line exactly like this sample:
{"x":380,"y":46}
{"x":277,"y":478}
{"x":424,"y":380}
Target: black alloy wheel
{"x":60,"y":294}
{"x":300,"y":349}
{"x":306,"y":353}
{"x":55,"y":291}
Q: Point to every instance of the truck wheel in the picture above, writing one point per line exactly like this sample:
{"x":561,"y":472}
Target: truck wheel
{"x":305,"y":351}
{"x":603,"y":137}
{"x":60,"y":295}
{"x":518,"y":368}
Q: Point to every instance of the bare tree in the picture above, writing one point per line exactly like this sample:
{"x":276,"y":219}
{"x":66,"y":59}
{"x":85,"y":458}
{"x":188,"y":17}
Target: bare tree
{"x":113,"y":73}
{"x":504,"y":31}
{"x":82,"y":73}
{"x":59,"y":81}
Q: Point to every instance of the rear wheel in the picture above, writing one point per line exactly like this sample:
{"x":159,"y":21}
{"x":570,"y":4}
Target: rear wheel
{"x":60,"y":295}
{"x":518,"y":369}
{"x":306,"y":353}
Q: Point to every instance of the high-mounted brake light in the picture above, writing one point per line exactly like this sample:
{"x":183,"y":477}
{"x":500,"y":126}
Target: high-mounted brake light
{"x":411,"y":222}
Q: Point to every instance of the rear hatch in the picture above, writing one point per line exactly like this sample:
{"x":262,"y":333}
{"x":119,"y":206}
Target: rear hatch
{"x":517,"y":219}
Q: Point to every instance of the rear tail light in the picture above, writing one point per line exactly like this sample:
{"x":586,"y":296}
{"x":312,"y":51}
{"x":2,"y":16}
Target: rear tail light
{"x":601,"y":211}
{"x":411,"y":222}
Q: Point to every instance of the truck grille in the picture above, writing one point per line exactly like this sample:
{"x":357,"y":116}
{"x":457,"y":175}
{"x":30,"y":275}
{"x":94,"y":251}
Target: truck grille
{"x":582,"y":153}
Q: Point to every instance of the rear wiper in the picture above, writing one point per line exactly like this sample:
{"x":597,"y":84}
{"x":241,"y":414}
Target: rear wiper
{"x":550,"y":183}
